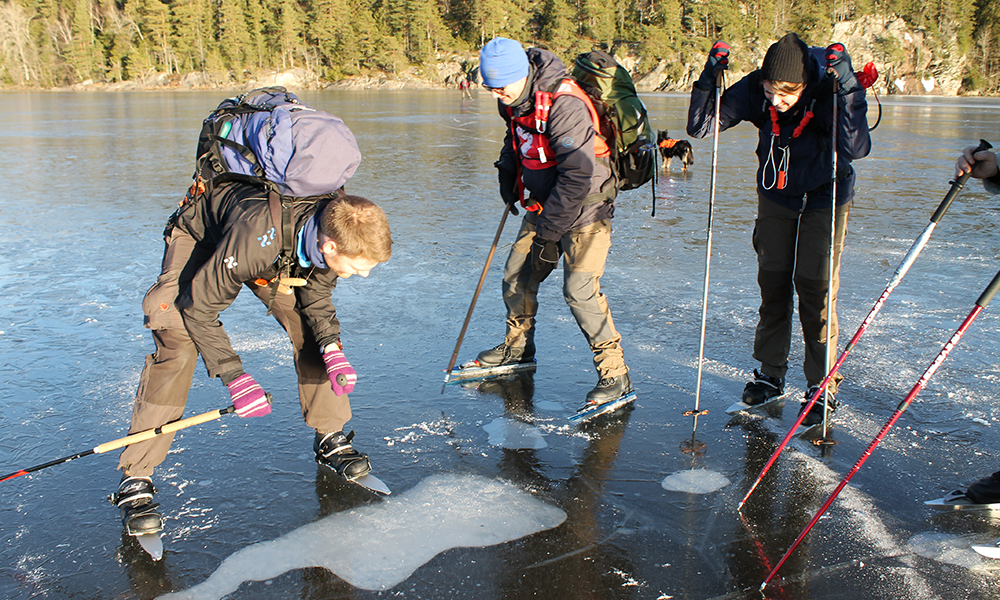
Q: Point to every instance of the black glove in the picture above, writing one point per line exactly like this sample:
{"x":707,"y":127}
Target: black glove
{"x":718,"y":61}
{"x":839,"y":63}
{"x":508,"y":187}
{"x":545,"y":253}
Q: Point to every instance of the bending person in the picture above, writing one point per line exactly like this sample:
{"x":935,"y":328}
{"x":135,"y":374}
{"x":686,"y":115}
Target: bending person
{"x":215,"y":245}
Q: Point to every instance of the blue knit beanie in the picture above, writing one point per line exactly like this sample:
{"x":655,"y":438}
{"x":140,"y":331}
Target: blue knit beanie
{"x":502,"y":62}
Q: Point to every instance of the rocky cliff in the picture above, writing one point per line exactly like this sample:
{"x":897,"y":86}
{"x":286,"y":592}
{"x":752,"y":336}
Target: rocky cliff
{"x":907,"y":61}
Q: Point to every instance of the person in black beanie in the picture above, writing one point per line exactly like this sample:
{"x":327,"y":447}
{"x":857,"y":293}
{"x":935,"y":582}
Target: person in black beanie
{"x":790,"y":100}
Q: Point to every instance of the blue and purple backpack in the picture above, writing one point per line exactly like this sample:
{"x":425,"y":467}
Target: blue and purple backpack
{"x":268,"y":136}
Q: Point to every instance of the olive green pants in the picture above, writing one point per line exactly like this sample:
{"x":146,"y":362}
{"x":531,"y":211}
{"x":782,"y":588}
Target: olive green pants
{"x":167,"y":374}
{"x":585,"y":252}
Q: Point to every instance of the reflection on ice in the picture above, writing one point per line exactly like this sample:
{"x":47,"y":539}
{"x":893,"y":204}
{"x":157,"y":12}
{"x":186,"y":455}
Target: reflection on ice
{"x":695,"y":481}
{"x":946,"y":548}
{"x":378,"y":546}
{"x":514,"y":435}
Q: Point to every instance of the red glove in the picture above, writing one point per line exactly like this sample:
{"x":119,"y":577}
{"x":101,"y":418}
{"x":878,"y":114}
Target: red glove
{"x":868,"y":76}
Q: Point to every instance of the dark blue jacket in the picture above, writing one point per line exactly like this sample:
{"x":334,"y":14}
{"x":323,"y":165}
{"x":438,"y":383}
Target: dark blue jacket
{"x":810,"y":161}
{"x":580,"y":189}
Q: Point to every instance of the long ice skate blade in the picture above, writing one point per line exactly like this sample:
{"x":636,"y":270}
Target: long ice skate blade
{"x":957,"y":500}
{"x":152,"y":544}
{"x":741,"y":406}
{"x":589,"y":412}
{"x":808,"y":431}
{"x":988,"y":550}
{"x":372,"y":483}
{"x":470,"y":373}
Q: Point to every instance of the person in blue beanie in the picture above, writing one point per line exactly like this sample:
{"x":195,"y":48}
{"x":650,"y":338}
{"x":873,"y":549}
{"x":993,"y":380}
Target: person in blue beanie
{"x":551,"y":151}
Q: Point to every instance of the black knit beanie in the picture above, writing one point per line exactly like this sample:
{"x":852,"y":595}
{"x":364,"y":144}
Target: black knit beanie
{"x":786,"y":60}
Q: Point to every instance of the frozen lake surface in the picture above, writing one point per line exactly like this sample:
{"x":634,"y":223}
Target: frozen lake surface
{"x":495,"y":495}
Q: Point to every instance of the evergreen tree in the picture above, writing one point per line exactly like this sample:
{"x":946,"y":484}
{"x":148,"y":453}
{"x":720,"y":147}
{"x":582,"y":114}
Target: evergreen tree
{"x":558,"y":24}
{"x":82,"y":52}
{"x":598,"y":18}
{"x":190,"y":34}
{"x":291,"y":23}
{"x":234,"y":35}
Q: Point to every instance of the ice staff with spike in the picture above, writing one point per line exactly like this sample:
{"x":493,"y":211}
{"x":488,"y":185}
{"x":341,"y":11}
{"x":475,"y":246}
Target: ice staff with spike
{"x":509,"y":208}
{"x":901,"y":270}
{"x":981,"y":304}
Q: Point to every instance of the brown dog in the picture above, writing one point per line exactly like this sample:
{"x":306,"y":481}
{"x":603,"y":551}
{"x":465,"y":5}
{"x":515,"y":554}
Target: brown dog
{"x":671,"y":149}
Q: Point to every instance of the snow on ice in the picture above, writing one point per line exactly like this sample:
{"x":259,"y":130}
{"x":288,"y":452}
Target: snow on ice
{"x":695,"y":481}
{"x":377,"y":546}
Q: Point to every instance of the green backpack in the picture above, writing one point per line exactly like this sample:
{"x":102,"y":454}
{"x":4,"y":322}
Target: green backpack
{"x":611,"y":88}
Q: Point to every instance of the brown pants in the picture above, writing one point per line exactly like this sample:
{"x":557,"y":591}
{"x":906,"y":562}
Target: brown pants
{"x":166,"y":376}
{"x":793,"y":249}
{"x":585,"y":252}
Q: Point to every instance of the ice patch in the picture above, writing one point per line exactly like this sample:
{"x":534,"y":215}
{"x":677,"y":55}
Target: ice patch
{"x":942,"y":547}
{"x":375,"y":547}
{"x":514,"y":435}
{"x":695,"y":481}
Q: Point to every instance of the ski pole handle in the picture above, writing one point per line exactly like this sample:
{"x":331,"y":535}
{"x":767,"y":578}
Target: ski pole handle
{"x":149,"y":434}
{"x":989,"y":292}
{"x":957,"y":185}
{"x":341,"y":380}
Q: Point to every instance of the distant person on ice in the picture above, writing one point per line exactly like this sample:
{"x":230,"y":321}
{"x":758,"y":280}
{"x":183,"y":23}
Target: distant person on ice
{"x":982,"y":165}
{"x":567,"y":174}
{"x":213,"y":248}
{"x":790,"y":100}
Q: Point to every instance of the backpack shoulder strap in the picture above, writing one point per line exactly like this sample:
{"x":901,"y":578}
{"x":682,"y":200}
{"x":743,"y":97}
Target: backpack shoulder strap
{"x":281,"y":218}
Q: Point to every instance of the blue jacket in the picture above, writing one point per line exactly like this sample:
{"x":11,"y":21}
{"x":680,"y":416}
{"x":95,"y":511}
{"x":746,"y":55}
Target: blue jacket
{"x":810,"y":160}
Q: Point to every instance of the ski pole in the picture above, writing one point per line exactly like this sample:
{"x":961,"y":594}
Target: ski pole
{"x":981,"y":303}
{"x":475,"y":296}
{"x":135,"y":438}
{"x":830,"y":314}
{"x":708,"y":260}
{"x":897,"y":277}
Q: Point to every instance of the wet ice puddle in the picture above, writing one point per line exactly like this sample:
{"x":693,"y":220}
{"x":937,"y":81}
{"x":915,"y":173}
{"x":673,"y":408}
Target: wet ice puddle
{"x":377,"y":546}
{"x":946,"y":548}
{"x":514,"y":435}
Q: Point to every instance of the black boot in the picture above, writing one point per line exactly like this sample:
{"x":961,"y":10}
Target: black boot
{"x":816,"y":412}
{"x":986,"y":490}
{"x":335,"y":452}
{"x":140,"y":515}
{"x":609,"y":388}
{"x":762,"y":388}
{"x":506,"y":355}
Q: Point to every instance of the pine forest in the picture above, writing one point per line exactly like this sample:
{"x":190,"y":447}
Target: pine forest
{"x":52,"y":43}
